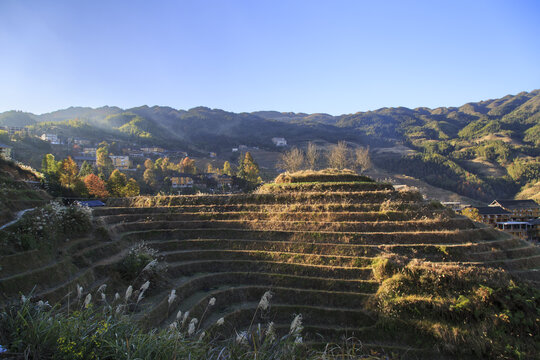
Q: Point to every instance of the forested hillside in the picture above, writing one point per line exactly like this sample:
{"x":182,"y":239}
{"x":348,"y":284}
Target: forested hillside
{"x":482,"y":150}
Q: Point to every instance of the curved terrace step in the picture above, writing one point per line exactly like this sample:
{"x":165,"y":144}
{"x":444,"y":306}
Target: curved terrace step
{"x":380,"y":238}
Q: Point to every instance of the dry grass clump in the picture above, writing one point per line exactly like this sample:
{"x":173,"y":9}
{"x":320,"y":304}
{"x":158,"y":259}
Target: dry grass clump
{"x":326,"y":175}
{"x":465,"y":309}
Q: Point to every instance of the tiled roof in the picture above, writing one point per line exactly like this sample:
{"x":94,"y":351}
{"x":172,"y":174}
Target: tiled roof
{"x":516,"y":204}
{"x":492,"y":210}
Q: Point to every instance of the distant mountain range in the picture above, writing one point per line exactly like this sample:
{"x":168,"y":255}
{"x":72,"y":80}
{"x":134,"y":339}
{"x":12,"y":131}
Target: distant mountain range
{"x":518,"y":116}
{"x":482,"y":149}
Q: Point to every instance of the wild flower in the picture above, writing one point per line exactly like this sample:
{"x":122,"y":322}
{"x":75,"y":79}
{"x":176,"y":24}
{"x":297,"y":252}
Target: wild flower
{"x":296,"y":325}
{"x":220,"y":321}
{"x":129,"y":291}
{"x":212,"y":301}
{"x":87,"y":300}
{"x":265,"y":300}
{"x":2,"y":349}
{"x":172,"y":297}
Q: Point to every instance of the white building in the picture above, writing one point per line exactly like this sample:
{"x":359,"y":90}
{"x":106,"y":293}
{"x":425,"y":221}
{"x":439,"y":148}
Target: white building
{"x":52,"y":138}
{"x":279,"y":141}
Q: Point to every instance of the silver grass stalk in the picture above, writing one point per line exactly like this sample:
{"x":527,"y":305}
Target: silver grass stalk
{"x":271,"y":331}
{"x":145,"y":286}
{"x":191,"y":328}
{"x":220,"y":321}
{"x":265,"y":300}
{"x":179,"y":315}
{"x":129,"y":291}
{"x":116,"y":297}
{"x":140,"y":297}
{"x":296,"y":325}
{"x":212,"y":301}
{"x":184,"y":319}
{"x":102,"y":288}
{"x":173,"y":325}
{"x":202,"y":336}
{"x":87,"y":300}
{"x":79,"y":291}
{"x":172,"y":296}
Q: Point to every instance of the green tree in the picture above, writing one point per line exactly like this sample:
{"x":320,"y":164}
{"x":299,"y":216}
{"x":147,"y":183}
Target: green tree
{"x":150,"y":177}
{"x":68,"y":172}
{"x":472,"y":213}
{"x":227,"y":170}
{"x":131,"y":188}
{"x":103,"y":161}
{"x":86,"y":169}
{"x":248,"y":169}
{"x":49,"y":165}
{"x":116,"y":183}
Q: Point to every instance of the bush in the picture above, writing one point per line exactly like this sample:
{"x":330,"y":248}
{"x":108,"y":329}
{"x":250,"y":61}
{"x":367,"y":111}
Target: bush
{"x":136,"y":260}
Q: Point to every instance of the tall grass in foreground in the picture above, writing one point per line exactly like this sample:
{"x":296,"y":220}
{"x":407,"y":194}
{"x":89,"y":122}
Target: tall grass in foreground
{"x":38,"y":331}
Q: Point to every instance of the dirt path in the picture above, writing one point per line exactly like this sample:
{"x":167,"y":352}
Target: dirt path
{"x":17,"y":218}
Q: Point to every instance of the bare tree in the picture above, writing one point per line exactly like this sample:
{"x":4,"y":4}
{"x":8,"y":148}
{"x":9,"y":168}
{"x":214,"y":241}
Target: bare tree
{"x":362,"y":159}
{"x":339,"y":156}
{"x":291,"y":160}
{"x":312,"y":156}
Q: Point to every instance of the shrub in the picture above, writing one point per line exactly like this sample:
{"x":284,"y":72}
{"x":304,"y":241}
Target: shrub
{"x":138,"y":257}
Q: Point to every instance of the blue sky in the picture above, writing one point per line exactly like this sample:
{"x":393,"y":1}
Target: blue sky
{"x":303,"y":56}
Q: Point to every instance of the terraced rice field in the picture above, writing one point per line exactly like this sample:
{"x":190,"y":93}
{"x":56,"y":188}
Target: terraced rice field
{"x":313,"y":249}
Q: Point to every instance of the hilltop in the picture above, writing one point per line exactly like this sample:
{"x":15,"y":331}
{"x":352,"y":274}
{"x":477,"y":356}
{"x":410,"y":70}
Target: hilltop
{"x":356,"y":258}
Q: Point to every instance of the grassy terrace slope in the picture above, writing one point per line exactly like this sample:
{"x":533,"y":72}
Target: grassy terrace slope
{"x":325,"y":249}
{"x":355,"y":258}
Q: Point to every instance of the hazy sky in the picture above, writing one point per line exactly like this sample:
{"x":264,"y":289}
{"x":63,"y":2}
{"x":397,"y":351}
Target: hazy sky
{"x":304,"y":56}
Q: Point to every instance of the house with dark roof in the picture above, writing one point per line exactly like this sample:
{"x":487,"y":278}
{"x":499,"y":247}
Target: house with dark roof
{"x":493,"y":214}
{"x":522,"y":210}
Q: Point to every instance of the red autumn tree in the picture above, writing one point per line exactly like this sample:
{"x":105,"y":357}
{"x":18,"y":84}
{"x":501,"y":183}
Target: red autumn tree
{"x":96,"y":187}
